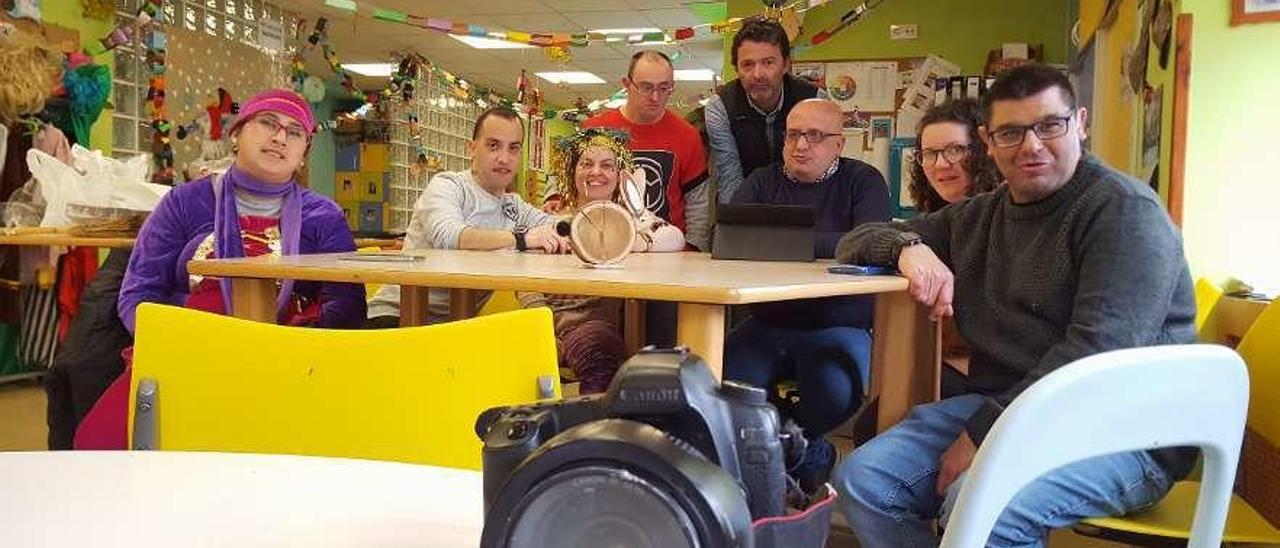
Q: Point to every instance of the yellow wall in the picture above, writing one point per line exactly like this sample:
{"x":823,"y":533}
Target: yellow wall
{"x":1230,"y":222}
{"x":70,"y":14}
{"x":1116,"y":119}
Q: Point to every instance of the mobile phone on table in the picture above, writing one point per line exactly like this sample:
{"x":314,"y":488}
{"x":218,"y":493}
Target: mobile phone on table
{"x":860,"y":270}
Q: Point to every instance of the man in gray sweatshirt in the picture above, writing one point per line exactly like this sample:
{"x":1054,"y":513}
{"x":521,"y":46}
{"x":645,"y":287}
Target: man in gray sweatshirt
{"x":473,"y":210}
{"x":1070,"y":258}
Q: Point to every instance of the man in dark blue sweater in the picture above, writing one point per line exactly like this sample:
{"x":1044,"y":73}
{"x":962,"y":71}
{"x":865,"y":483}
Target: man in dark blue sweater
{"x":1068,"y":259}
{"x":822,"y":343}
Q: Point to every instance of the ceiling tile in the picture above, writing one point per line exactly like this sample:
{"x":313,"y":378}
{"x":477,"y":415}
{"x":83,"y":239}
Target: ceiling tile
{"x":534,"y":22}
{"x":656,"y":4}
{"x":585,"y":5}
{"x":671,"y":18}
{"x":588,"y":20}
{"x":523,"y":6}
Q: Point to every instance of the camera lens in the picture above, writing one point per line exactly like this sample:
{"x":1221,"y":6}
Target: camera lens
{"x":598,"y":506}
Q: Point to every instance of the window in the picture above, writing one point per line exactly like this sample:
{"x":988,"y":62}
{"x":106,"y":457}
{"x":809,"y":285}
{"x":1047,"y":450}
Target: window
{"x":238,"y":20}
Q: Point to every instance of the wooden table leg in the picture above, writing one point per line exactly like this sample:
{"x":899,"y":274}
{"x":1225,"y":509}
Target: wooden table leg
{"x":462,"y":304}
{"x":906,"y":355}
{"x":701,"y":328}
{"x":413,"y":305}
{"x":254,"y":299}
{"x":632,"y":325}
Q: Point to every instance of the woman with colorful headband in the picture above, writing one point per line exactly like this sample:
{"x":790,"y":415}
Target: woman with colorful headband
{"x":592,"y":165}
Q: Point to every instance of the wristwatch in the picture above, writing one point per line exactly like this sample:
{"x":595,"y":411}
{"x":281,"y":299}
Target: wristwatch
{"x":904,"y":240}
{"x":519,"y":233}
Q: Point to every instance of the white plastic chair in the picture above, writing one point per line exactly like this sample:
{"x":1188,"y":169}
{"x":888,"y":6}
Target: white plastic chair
{"x":1125,"y":400}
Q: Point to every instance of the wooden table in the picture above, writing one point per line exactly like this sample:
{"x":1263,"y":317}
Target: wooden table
{"x":63,"y":240}
{"x":906,"y":347}
{"x":67,"y":240}
{"x":166,"y":498}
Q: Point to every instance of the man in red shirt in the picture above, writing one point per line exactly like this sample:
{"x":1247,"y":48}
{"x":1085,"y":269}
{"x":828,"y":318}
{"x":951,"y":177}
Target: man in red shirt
{"x":674,"y":159}
{"x":668,"y":148}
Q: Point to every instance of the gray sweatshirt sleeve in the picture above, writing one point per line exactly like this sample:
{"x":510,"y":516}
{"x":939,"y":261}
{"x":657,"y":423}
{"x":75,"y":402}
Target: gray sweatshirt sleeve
{"x":876,"y":243}
{"x":697,"y":216}
{"x":439,"y":216}
{"x":530,"y":216}
{"x":723,"y":150}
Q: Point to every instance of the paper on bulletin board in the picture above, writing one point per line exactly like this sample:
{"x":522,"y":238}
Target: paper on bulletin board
{"x":855,"y":143}
{"x":933,"y":68}
{"x":865,"y":86}
{"x":915,"y":102}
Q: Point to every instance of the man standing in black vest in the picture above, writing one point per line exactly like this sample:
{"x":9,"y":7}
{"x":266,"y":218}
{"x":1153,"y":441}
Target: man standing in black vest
{"x":746,"y":118}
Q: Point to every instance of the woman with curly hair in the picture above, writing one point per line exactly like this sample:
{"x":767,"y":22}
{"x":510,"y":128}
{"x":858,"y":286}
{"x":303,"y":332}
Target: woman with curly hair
{"x":951,"y":159}
{"x":589,"y":166}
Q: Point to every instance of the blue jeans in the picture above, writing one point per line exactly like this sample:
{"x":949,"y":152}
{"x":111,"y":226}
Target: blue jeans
{"x":887,"y":486}
{"x":831,"y":365}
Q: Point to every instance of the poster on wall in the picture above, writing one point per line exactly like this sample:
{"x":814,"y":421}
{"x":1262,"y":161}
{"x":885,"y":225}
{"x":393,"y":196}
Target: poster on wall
{"x":863,"y":86}
{"x":1152,"y":103}
{"x":814,"y":73}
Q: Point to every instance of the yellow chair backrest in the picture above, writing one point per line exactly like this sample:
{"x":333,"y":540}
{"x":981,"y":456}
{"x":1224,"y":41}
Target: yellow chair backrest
{"x":410,"y":395}
{"x":1207,"y":295}
{"x":1260,"y":349}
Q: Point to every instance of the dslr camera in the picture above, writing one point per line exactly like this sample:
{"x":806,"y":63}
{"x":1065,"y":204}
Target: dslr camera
{"x":667,"y":457}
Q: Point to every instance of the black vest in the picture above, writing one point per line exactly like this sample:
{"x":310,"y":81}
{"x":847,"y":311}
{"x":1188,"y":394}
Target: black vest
{"x":749,"y":127}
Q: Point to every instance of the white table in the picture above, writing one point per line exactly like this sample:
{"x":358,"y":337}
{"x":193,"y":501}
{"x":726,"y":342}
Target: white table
{"x":158,"y":498}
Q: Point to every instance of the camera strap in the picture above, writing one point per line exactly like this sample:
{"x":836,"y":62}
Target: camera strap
{"x":805,"y":529}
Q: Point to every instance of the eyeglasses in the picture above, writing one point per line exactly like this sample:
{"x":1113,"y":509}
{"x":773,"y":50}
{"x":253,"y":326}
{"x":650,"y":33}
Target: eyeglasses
{"x":294,"y":134}
{"x":646,"y":88}
{"x":950,"y":153}
{"x":813,"y":136}
{"x":1048,"y":128}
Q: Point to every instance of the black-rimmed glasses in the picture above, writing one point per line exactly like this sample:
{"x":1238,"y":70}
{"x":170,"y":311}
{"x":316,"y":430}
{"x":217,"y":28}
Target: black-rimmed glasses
{"x":813,"y":136}
{"x":951,"y":153}
{"x":1048,"y":128}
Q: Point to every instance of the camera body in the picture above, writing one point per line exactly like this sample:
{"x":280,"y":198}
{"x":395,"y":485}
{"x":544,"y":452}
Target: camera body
{"x":677,"y":403}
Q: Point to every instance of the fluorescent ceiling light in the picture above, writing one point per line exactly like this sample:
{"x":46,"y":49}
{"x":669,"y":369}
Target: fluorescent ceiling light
{"x":488,"y":43}
{"x":570,"y":77}
{"x":695,"y":75}
{"x":370,"y":69}
{"x":644,"y":30}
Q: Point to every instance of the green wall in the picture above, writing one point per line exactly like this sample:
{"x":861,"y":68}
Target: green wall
{"x":70,"y":14}
{"x":321,"y":161}
{"x":961,"y":31}
{"x":1232,"y":187}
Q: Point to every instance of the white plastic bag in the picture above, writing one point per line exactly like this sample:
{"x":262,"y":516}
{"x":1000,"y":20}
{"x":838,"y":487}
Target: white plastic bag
{"x":95,"y":180}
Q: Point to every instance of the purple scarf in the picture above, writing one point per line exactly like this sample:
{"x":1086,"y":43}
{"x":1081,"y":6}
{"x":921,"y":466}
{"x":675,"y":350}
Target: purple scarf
{"x":226,"y":224}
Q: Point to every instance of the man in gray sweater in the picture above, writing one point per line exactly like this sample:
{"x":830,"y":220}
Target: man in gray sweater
{"x":1068,"y":259}
{"x":473,"y":210}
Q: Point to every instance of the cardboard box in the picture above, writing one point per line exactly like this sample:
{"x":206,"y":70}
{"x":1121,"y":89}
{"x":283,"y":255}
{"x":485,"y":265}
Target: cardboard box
{"x":351,"y":210}
{"x":346,"y":186}
{"x":373,"y":157}
{"x":346,"y":156}
{"x":371,"y":217}
{"x":372,"y":186}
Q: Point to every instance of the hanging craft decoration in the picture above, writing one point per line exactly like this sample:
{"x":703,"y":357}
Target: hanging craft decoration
{"x":102,"y":10}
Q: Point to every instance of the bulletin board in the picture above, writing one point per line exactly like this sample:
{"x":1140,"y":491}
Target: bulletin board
{"x":883,"y":101}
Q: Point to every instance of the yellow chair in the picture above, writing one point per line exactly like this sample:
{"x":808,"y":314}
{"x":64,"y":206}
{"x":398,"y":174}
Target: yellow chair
{"x":1207,"y":295}
{"x":409,"y":395}
{"x":499,"y":302}
{"x":1171,"y":518}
